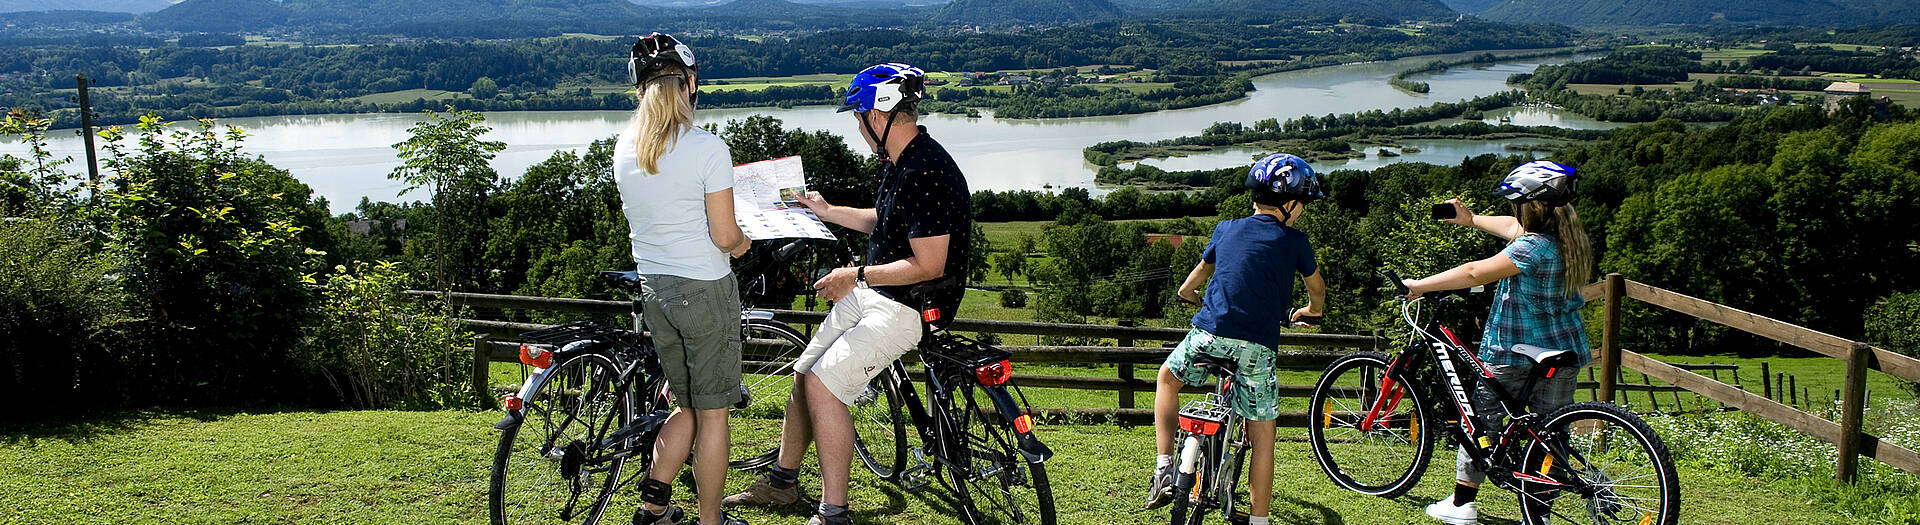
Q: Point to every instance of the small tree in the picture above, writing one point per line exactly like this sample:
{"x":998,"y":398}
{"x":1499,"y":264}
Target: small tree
{"x":484,"y":88}
{"x":446,"y":154}
{"x":1895,"y":324}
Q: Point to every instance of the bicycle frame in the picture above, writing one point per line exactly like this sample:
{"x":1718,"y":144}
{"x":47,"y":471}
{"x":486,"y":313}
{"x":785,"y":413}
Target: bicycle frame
{"x":1476,"y":437}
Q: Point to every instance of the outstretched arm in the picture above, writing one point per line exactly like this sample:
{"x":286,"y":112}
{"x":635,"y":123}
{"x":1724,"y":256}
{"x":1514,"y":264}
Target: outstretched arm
{"x":859,"y":219}
{"x":1467,"y":275}
{"x":1503,"y":226}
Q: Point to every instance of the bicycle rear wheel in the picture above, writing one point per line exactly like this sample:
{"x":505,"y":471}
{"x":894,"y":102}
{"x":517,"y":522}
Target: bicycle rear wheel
{"x":1368,"y":435}
{"x":767,"y":351}
{"x":539,"y":474}
{"x":1605,"y":465}
{"x":880,"y":426}
{"x":1005,"y":488}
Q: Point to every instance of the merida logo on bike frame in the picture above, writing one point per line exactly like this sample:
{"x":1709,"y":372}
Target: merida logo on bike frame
{"x":1459,"y":392}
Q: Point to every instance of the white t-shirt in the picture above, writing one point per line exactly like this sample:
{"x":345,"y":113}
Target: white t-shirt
{"x":667,"y":211}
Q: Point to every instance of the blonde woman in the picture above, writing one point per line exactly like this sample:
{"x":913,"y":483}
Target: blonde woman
{"x":676,"y":190}
{"x":1547,"y":260}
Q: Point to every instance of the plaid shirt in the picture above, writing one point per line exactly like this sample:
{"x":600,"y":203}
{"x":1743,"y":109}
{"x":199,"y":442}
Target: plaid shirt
{"x":1534,"y":307}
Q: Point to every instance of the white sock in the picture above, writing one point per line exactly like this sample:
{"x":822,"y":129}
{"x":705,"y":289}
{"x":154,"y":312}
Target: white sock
{"x":1257,"y":520}
{"x":1163,"y":460}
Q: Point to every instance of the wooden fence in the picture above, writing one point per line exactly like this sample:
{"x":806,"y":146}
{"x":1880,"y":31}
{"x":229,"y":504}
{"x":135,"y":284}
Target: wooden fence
{"x":1301,"y":351}
{"x":1315,"y":351}
{"x":1858,"y":358}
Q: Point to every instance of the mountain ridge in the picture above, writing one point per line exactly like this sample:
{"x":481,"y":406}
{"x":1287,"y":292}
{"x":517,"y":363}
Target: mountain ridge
{"x":1601,"y":13}
{"x":109,"y":6}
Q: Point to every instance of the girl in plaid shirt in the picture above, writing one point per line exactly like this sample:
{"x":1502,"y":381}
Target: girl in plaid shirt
{"x":1547,"y":260}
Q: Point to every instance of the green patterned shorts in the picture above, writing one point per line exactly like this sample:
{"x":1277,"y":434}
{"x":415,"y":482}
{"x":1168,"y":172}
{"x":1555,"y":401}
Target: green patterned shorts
{"x":1256,"y":388}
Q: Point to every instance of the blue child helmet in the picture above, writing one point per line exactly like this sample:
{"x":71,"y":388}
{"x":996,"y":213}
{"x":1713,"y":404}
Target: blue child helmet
{"x":884,"y":87}
{"x":1542,"y":180}
{"x":1283,"y":177}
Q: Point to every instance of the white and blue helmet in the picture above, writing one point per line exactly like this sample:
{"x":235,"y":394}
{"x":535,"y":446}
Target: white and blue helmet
{"x":1549,"y":182}
{"x":884,"y":87}
{"x":1282,"y":177}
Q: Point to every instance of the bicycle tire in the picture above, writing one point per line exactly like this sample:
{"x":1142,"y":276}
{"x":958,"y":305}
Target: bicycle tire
{"x":1014,"y":491}
{"x":1232,"y":467}
{"x":1375,"y":462}
{"x":880,"y":427}
{"x":1586,"y":431}
{"x":568,"y":405}
{"x":953,"y":464}
{"x":768,"y":349}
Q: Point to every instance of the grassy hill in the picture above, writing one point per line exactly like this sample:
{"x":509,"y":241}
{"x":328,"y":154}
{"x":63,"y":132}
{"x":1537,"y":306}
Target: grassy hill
{"x":1389,"y":9}
{"x":1762,"y":12}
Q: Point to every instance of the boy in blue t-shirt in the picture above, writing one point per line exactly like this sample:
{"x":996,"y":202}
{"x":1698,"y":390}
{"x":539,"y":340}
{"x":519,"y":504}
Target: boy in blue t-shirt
{"x":1251,"y":261}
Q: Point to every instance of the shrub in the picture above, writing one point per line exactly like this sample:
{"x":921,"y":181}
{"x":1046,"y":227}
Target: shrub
{"x":381,"y":349}
{"x":59,"y":312}
{"x":1895,"y":324}
{"x":1013,"y":298}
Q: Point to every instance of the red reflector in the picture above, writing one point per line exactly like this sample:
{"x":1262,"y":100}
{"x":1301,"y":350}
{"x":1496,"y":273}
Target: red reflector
{"x":513,"y":402}
{"x":930,"y":314}
{"x":1550,"y":372}
{"x":1023,"y":424}
{"x":1199,"y":426}
{"x":535,"y":356}
{"x":995,"y":374}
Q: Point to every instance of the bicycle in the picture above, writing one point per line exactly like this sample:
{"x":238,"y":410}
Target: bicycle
{"x":975,"y":437}
{"x":1372,"y":426}
{"x":1213,"y":450}
{"x":597,"y":398}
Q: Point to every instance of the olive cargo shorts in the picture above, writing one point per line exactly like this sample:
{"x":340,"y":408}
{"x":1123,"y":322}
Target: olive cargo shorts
{"x":696,"y":329}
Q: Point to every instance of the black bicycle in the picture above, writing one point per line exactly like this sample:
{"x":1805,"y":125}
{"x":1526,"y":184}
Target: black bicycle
{"x":596,"y":399}
{"x":1213,"y":450}
{"x":1373,"y":427}
{"x":974,"y":431}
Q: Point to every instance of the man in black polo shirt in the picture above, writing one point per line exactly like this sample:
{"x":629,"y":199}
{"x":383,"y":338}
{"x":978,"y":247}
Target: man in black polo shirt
{"x":920,"y":228}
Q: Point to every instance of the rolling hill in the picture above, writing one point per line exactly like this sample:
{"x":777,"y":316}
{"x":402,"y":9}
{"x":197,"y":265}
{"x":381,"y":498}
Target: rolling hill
{"x":112,"y":6}
{"x":1392,"y":9}
{"x":1630,"y":13}
{"x":1020,"y":12}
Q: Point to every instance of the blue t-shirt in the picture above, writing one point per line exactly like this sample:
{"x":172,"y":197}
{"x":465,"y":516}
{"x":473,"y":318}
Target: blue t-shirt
{"x":1251,"y":294}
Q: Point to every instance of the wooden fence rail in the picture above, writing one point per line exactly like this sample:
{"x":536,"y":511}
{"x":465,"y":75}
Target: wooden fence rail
{"x":1857,"y":357}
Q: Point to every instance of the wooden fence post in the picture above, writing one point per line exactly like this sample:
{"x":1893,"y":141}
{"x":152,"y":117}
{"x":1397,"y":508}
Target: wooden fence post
{"x":1766,"y":380}
{"x":1610,"y":336}
{"x":1126,"y":370}
{"x":482,"y":367}
{"x":1851,"y":413}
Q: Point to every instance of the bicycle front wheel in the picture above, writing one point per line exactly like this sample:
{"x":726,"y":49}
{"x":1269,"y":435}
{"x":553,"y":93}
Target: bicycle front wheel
{"x":1367,"y":429}
{"x":880,"y":426}
{"x":1603,"y":466}
{"x":540,"y":469}
{"x":767,"y":351}
{"x":1004,"y":487}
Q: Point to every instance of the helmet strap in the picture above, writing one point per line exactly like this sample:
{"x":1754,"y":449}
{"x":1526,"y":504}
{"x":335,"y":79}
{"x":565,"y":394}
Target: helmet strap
{"x":880,"y":139}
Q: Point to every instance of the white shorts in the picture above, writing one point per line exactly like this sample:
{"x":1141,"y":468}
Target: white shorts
{"x":862,"y":335}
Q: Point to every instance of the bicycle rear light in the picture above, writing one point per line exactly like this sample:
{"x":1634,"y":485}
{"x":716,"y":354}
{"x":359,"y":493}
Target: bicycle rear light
{"x":513,"y":402}
{"x":1023,"y":424}
{"x":995,"y":374}
{"x":535,"y":356}
{"x":1199,"y":426}
{"x":930,"y":314}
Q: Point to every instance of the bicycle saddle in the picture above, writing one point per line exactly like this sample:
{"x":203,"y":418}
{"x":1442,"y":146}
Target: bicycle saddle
{"x":628,"y":281}
{"x":1216,"y":365}
{"x":1546,"y":356}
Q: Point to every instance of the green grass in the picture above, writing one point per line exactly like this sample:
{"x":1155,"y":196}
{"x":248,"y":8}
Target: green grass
{"x":432,"y":467}
{"x":394,"y":97}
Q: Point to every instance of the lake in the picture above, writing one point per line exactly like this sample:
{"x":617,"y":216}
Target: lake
{"x":345,"y":157}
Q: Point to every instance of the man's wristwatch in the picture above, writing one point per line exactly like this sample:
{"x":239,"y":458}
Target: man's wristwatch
{"x":860,"y":277}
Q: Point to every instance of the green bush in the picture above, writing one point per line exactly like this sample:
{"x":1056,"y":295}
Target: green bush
{"x":60,"y":314}
{"x":1013,"y":298}
{"x":1895,"y":324}
{"x":378,"y":348}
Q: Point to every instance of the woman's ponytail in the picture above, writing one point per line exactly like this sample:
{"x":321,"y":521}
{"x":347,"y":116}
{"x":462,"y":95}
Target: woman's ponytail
{"x":665,"y":112}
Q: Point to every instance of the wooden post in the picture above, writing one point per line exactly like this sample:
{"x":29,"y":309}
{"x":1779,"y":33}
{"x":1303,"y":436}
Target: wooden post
{"x":1648,"y":381}
{"x":1126,"y":371}
{"x":1766,"y":380}
{"x":1851,"y":413}
{"x":1610,"y":336}
{"x":482,"y":368}
{"x":1793,"y":390}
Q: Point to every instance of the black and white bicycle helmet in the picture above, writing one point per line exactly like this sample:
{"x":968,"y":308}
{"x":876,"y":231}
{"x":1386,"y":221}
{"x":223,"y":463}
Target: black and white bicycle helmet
{"x":1283,"y":177}
{"x":1549,"y":182}
{"x":655,"y":52}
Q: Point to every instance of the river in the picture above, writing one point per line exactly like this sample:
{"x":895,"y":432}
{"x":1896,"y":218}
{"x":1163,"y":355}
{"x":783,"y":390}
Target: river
{"x":345,"y":157}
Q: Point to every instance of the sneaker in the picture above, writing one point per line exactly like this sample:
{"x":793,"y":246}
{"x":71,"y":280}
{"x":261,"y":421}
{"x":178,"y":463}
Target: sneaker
{"x":673,"y":516}
{"x":764,"y":494}
{"x":1445,"y":511}
{"x":843,"y":519}
{"x":1160,"y":492}
{"x":728,"y":519}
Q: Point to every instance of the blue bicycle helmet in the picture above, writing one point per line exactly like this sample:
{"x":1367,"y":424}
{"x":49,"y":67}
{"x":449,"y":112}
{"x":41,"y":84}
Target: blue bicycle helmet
{"x":884,"y":87}
{"x":1283,"y":177}
{"x":1546,"y":181}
